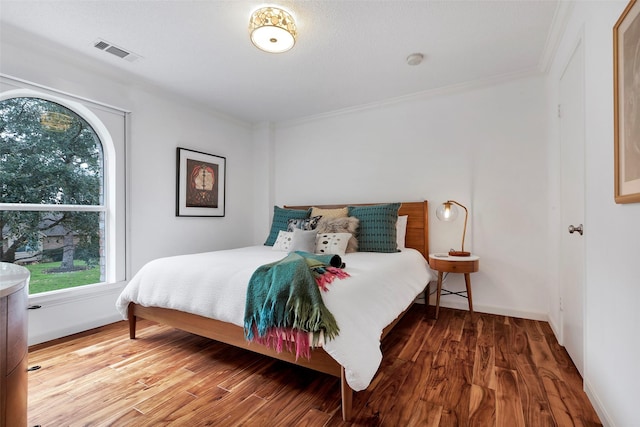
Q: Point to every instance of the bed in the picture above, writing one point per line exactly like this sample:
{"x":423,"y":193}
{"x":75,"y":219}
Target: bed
{"x":355,"y":368}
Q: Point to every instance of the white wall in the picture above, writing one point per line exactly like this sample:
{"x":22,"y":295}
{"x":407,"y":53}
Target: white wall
{"x":263,"y":180}
{"x":159,"y":123}
{"x":484,"y":147}
{"x":612,"y":231}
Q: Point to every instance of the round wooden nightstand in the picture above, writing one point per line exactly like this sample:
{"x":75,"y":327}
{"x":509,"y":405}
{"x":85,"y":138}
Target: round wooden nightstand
{"x":443,"y":263}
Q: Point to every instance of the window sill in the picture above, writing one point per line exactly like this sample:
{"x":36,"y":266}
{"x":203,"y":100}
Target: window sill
{"x":80,"y":293}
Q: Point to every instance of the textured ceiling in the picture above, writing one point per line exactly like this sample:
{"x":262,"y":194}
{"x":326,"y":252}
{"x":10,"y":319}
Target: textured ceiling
{"x":348,"y":53}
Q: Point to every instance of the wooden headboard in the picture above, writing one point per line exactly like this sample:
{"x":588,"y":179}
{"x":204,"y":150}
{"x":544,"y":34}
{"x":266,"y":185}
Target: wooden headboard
{"x":417,"y":224}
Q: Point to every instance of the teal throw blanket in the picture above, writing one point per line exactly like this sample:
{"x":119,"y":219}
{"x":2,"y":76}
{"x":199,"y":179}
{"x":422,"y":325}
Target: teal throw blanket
{"x":284,"y":303}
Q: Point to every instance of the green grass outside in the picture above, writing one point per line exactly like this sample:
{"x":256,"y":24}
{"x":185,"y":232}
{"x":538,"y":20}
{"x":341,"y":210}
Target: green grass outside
{"x":44,"y":282}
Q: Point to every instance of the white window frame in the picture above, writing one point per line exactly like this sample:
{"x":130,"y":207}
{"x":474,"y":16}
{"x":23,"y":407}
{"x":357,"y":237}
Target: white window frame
{"x":114,"y":200}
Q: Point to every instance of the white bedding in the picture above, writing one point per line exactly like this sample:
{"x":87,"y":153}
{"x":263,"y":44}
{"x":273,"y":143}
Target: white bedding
{"x":214,"y":284}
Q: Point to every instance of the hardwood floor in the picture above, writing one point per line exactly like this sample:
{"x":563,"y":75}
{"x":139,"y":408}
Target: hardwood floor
{"x":456,"y":371}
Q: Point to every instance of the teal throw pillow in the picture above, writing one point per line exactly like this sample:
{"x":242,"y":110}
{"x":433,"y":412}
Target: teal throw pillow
{"x":281,"y":217}
{"x":377,"y":232}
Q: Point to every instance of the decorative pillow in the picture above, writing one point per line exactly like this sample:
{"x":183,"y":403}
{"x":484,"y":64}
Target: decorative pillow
{"x":377,"y":232}
{"x":303,"y":224}
{"x":280,"y":220}
{"x":332,"y":243}
{"x":330,"y":213}
{"x":401,"y":230}
{"x":283,"y":242}
{"x":341,"y":225}
{"x":303,"y":240}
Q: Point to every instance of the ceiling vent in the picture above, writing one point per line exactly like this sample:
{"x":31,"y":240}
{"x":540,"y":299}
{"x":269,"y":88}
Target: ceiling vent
{"x":115,"y":50}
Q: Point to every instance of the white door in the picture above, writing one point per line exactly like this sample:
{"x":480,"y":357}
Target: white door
{"x":572,"y":122}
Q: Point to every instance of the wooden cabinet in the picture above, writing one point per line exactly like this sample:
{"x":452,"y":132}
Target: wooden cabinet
{"x":14,"y":290}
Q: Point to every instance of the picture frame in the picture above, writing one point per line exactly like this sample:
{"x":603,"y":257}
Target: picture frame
{"x":200,"y":183}
{"x":626,"y":112}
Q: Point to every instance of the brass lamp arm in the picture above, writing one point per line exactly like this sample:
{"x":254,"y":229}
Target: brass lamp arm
{"x":466,"y":216}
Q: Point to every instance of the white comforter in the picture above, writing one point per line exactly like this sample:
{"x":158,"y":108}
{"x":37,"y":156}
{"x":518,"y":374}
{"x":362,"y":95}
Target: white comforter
{"x":214,"y":284}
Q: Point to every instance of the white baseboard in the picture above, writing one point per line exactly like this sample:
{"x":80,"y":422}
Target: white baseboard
{"x":556,"y":330}
{"x":52,"y":334}
{"x":502,"y":311}
{"x":68,"y":313}
{"x":605,"y":419}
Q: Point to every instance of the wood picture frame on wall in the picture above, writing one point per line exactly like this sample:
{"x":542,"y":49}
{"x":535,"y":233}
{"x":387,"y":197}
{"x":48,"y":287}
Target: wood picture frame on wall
{"x":200,"y":183}
{"x":626,"y":111}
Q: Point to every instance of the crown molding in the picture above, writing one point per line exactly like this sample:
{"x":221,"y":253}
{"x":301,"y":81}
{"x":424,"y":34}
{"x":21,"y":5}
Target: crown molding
{"x":417,"y":96}
{"x":554,"y":36}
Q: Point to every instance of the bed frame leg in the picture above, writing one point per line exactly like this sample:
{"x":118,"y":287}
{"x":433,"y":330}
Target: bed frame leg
{"x":132,"y":322}
{"x":427,"y":293}
{"x":347,"y":396}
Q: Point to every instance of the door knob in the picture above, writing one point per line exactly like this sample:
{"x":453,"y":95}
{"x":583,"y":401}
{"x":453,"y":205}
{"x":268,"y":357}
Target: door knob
{"x":577,"y":229}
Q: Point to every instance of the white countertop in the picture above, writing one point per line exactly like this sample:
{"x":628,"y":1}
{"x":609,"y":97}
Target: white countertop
{"x":12,"y":278}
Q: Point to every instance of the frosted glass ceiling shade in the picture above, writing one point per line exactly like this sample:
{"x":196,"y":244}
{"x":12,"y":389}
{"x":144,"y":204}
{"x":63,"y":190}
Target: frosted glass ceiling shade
{"x":272,"y":30}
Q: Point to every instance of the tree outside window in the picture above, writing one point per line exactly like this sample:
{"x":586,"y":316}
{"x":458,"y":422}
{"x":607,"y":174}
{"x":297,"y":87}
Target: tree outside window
{"x":51,"y":190}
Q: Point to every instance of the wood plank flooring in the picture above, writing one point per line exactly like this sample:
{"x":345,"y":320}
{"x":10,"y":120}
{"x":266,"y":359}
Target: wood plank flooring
{"x":460,"y":370}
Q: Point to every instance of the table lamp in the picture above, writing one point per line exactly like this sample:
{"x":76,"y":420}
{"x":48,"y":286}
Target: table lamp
{"x":448,"y":212}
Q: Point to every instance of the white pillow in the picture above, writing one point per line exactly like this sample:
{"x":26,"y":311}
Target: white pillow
{"x":303,"y":240}
{"x":401,"y":230}
{"x":332,"y":243}
{"x":283,"y":241}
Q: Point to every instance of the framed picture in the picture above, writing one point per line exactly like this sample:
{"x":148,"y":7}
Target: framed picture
{"x":626,"y":111}
{"x":200,"y":183}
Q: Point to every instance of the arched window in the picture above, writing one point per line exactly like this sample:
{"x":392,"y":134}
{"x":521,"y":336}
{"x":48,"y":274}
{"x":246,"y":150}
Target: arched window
{"x":54,"y":206}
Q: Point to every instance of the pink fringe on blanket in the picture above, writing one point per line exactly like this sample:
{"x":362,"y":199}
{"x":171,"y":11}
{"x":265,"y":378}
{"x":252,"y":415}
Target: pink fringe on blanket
{"x":280,"y":339}
{"x":328,"y":276}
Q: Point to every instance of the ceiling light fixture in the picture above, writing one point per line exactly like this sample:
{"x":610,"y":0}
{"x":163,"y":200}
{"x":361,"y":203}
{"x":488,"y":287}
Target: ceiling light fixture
{"x":272,"y":29}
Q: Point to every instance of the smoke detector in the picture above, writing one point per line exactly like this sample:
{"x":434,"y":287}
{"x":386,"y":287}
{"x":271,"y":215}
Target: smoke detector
{"x":415,"y":58}
{"x":115,"y":50}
